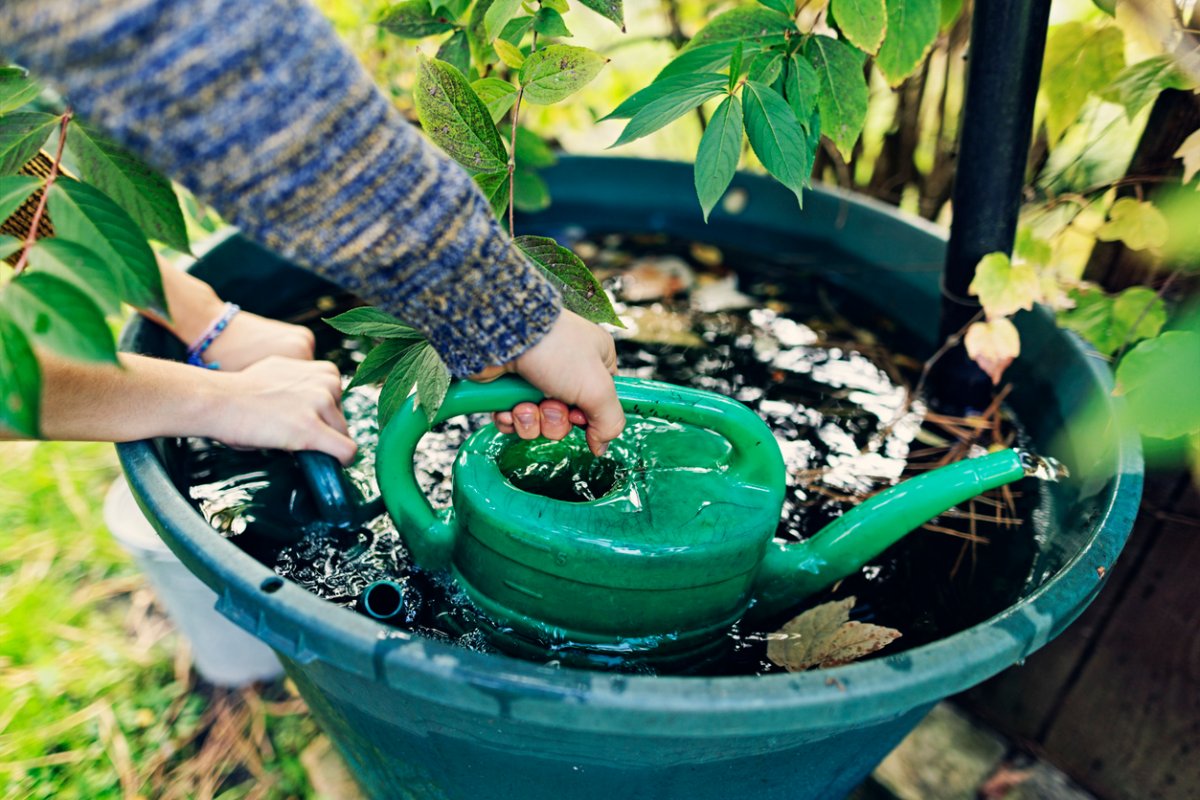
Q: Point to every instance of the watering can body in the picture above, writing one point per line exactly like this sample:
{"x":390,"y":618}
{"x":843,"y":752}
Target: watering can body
{"x":677,"y":550}
{"x":659,"y":566}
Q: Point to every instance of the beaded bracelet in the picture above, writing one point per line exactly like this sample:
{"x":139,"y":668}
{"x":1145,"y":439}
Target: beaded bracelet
{"x":195,"y":353}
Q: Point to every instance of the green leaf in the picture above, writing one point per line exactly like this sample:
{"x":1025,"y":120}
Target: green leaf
{"x":1091,"y":318}
{"x":1140,"y":84}
{"x":1004,"y":288}
{"x":382,"y":359}
{"x":912,"y":25}
{"x":84,"y":215}
{"x":369,"y":321}
{"x":782,"y":6}
{"x":419,"y":366}
{"x":532,"y":151}
{"x":1137,"y":223}
{"x":481,"y":50}
{"x":400,"y":382}
{"x":1111,"y":322}
{"x":57,"y":315}
{"x":843,"y":89}
{"x":9,"y":245}
{"x":1160,"y":382}
{"x":709,"y":58}
{"x":1029,"y":247}
{"x":1081,"y":59}
{"x":558,"y":5}
{"x":20,"y":381}
{"x":509,"y":53}
{"x":688,"y":92}
{"x":609,"y":9}
{"x":456,"y":119}
{"x":951,"y":10}
{"x":747,"y":24}
{"x":494,"y":186}
{"x":144,"y":194}
{"x":557,"y":71}
{"x":766,"y":67}
{"x":776,"y":136}
{"x":862,"y":22}
{"x":580,"y":290}
{"x":516,"y":29}
{"x":497,"y":95}
{"x":450,"y":8}
{"x":1139,"y":313}
{"x":549,"y":22}
{"x":812,"y":127}
{"x":14,"y":191}
{"x":21,"y":137}
{"x":735,"y":67}
{"x":15,"y":89}
{"x":801,"y":87}
{"x":456,"y":51}
{"x":1181,"y":206}
{"x":79,"y":266}
{"x":498,"y":15}
{"x":530,"y":192}
{"x":664,"y":89}
{"x":720,"y":150}
{"x":413,"y":19}
{"x":433,"y":381}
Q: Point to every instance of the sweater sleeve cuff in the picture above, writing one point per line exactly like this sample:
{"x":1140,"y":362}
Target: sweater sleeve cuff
{"x":486,"y":311}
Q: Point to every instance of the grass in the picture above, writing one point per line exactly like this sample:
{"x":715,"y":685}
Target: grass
{"x":97,"y":698}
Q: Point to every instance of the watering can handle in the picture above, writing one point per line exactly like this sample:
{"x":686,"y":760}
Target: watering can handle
{"x":430,"y":538}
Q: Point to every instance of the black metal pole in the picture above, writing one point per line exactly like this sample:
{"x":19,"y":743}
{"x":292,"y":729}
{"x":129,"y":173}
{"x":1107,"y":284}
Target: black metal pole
{"x":1008,"y":38}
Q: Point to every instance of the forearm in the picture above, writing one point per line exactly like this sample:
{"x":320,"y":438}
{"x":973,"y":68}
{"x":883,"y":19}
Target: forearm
{"x":147,"y":398}
{"x":259,"y":110}
{"x":192,"y":303}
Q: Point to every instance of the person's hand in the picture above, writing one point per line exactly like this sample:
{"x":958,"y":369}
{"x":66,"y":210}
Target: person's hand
{"x":250,"y":338}
{"x":246,"y":339}
{"x":281,"y":403}
{"x":573,"y":365}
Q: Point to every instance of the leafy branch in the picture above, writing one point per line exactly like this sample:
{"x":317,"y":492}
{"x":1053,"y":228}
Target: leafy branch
{"x":63,"y":286}
{"x":460,"y":101}
{"x":781,"y":87}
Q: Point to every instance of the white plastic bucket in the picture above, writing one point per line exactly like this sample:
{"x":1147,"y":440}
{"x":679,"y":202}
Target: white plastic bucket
{"x":223,"y":654}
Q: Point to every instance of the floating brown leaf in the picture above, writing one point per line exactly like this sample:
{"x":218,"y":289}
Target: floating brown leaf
{"x":824,"y":636}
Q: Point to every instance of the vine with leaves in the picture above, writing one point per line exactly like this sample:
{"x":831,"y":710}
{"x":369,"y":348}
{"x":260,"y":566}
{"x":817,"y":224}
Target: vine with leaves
{"x":1108,"y":69}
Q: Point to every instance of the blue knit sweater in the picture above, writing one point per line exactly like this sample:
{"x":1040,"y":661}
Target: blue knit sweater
{"x":258,"y":108}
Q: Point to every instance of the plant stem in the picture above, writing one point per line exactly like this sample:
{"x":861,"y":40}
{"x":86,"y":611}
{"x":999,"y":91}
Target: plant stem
{"x":512,"y":161}
{"x":31,"y":237}
{"x":512,"y":150}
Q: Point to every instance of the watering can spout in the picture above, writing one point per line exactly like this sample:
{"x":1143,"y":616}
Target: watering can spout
{"x":789,"y":573}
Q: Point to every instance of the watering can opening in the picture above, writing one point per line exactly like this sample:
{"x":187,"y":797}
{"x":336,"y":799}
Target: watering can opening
{"x":565,"y":470}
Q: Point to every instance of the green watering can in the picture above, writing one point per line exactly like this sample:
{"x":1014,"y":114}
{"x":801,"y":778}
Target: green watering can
{"x":675,"y":550}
